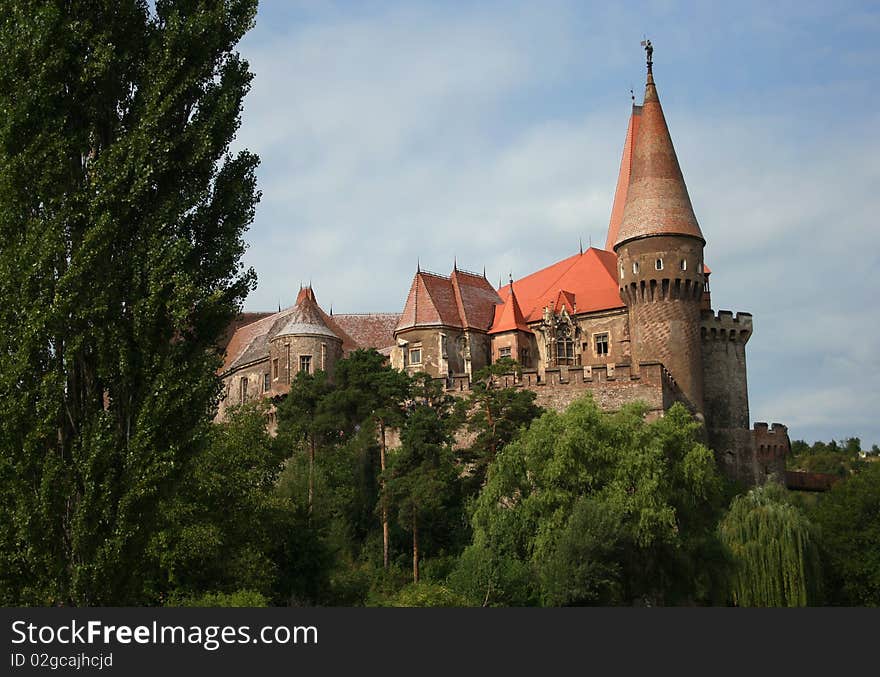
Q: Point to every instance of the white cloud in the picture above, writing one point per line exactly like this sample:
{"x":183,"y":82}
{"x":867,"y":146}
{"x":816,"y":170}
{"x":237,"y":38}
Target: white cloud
{"x":421,"y":134}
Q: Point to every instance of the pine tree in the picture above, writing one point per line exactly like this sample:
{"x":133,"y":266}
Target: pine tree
{"x":121,"y":222}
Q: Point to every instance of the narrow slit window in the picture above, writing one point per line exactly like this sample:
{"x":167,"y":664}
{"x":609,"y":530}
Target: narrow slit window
{"x":684,"y":264}
{"x":658,"y":264}
{"x":635,"y":267}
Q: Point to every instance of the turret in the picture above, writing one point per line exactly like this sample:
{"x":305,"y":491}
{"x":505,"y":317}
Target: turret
{"x":304,"y":343}
{"x":659,"y":246}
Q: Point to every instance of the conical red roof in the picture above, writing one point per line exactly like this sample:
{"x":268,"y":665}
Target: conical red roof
{"x":657,"y":201}
{"x":307,"y":317}
{"x":632,"y":130}
{"x":509,"y":317}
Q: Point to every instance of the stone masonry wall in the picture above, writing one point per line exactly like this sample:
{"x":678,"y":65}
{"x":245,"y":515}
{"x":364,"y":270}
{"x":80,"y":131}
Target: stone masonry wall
{"x":725,"y":392}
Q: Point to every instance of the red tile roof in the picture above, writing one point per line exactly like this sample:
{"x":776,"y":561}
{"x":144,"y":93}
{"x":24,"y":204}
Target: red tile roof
{"x":509,"y":316}
{"x":657,"y":201}
{"x":249,"y":341}
{"x":632,"y":130}
{"x":370,"y":330}
{"x":463,"y":300}
{"x":584,"y":283}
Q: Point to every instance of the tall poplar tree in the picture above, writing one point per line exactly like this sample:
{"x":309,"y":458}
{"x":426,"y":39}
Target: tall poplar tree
{"x":121,"y":220}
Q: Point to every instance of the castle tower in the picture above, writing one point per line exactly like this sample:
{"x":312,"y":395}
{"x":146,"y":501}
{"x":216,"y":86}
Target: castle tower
{"x":660,"y":255}
{"x":304,"y":343}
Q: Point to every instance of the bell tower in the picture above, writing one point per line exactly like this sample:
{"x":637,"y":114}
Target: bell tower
{"x":659,"y":246}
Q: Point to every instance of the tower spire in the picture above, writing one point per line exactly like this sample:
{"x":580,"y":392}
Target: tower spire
{"x":657,"y":200}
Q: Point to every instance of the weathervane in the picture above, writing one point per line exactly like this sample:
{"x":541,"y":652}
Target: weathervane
{"x":649,"y":49}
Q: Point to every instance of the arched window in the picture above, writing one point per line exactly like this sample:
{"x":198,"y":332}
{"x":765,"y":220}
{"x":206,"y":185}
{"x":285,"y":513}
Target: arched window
{"x":658,"y":264}
{"x":635,"y":267}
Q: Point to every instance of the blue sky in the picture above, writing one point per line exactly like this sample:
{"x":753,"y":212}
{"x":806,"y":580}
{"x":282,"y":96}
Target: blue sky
{"x":491,"y":132}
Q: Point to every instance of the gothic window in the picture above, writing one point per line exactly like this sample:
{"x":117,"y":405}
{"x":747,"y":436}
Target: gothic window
{"x":658,"y":264}
{"x":504,"y":352}
{"x":266,"y":382}
{"x":305,"y":363}
{"x":564,"y":345}
{"x":243,"y":389}
{"x":564,"y":351}
{"x":601,"y":344}
{"x":415,"y":356}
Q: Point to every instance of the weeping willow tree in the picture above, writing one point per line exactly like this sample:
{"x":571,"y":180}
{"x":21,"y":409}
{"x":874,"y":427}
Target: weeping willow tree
{"x":774,"y":550}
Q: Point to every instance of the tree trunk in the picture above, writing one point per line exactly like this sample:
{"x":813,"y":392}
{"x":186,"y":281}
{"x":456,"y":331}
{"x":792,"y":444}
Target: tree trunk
{"x":311,"y":474}
{"x":384,"y":500}
{"x":415,"y":530}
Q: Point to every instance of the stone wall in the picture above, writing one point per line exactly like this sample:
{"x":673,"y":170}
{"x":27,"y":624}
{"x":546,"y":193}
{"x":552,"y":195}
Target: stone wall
{"x":664,"y":306}
{"x":612,"y":386}
{"x":725,"y":392}
{"x":249,"y":380}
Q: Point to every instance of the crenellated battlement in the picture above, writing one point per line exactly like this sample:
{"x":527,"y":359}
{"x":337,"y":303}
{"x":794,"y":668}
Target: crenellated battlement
{"x":725,"y":326}
{"x":762,"y":428}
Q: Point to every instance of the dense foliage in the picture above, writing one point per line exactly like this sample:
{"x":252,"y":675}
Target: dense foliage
{"x":849,"y":519}
{"x":122,"y":215}
{"x":591,"y":508}
{"x":774,"y":548}
{"x":121,"y":222}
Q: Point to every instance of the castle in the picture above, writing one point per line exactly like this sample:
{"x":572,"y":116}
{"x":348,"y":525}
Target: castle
{"x":632,"y":321}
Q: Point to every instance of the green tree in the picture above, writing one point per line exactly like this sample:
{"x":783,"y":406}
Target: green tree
{"x":121,"y":222}
{"x":849,"y":518}
{"x":587,"y":507}
{"x":219,"y":528}
{"x":371,"y":395}
{"x":774,"y":549}
{"x":420,"y":480}
{"x":304,"y":419}
{"x":495,"y":415}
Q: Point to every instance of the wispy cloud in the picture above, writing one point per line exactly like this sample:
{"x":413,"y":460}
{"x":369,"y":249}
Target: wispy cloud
{"x":390,"y":133}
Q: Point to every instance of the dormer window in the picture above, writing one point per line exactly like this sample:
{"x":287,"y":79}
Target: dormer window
{"x":658,"y":264}
{"x":635,"y":267}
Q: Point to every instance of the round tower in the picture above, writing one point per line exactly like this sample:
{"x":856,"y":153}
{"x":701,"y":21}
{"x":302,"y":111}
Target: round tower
{"x":660,"y":255}
{"x":304,"y":342}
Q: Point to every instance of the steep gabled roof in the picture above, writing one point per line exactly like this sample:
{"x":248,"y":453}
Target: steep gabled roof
{"x":463,"y":300}
{"x":249,"y":341}
{"x":584,"y":282}
{"x":509,"y":316}
{"x":657,"y":200}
